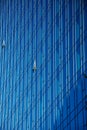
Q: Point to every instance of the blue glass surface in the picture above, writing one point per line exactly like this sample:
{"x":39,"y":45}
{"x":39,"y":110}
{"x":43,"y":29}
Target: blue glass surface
{"x":54,"y":95}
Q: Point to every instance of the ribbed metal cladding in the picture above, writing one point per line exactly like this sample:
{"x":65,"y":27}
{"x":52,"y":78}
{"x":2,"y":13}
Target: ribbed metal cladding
{"x":53,"y":33}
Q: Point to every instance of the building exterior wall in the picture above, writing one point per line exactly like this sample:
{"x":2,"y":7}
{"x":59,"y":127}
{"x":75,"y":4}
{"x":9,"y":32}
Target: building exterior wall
{"x":54,"y":33}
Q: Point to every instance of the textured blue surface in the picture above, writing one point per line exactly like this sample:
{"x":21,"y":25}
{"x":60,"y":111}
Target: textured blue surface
{"x":54,"y":33}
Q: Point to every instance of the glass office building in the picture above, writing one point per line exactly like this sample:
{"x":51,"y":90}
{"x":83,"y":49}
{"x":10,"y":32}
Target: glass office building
{"x":43,"y":64}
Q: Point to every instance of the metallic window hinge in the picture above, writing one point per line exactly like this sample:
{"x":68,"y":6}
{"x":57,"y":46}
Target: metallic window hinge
{"x":34,"y":66}
{"x":3,"y":44}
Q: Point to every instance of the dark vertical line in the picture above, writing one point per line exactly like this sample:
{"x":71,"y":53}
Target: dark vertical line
{"x":10,"y":76}
{"x":10,"y":71}
{"x":46,"y":71}
{"x":9,"y":63}
{"x":31,"y":70}
{"x":23,"y":40}
{"x":15,"y":57}
{"x":20,"y":10}
{"x":52,"y":67}
{"x":53,"y":80}
{"x":8,"y":66}
{"x":41,"y":71}
{"x":2,"y":76}
{"x":27,"y":95}
{"x":24,"y":120}
{"x":1,"y":69}
{"x":18,"y":65}
{"x":12,"y":68}
{"x":36,"y":72}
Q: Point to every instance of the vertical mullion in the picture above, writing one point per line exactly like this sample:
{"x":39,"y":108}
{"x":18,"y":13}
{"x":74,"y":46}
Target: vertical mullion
{"x":46,"y":71}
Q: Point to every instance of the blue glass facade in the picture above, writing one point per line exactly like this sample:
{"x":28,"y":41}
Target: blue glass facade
{"x":54,"y":34}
